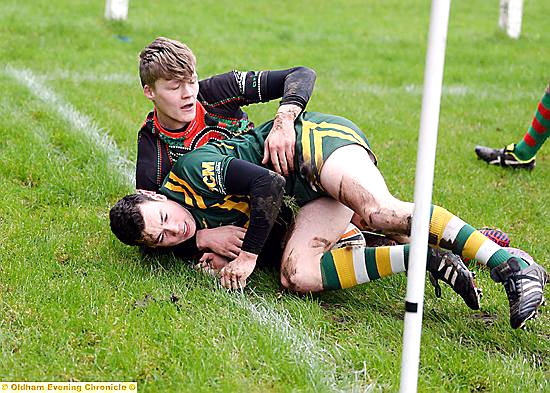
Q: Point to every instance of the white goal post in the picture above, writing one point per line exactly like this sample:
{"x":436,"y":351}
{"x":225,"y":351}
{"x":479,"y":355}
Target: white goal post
{"x":511,"y":14}
{"x":425,"y":163}
{"x":116,"y":9}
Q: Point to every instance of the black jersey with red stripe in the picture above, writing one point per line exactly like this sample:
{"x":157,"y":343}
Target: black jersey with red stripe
{"x":219,"y":115}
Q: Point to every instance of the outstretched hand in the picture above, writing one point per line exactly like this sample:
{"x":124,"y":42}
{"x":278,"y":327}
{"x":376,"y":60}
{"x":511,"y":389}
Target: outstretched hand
{"x":235,"y":273}
{"x":211,"y":263}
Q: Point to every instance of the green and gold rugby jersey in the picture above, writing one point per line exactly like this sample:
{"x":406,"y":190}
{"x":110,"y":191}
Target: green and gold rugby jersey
{"x":197,"y":180}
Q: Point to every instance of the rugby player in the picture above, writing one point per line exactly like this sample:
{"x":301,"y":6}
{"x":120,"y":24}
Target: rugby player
{"x":223,"y":183}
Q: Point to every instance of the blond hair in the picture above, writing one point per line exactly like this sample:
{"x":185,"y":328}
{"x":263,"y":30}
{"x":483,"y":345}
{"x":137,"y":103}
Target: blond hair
{"x":166,"y":59}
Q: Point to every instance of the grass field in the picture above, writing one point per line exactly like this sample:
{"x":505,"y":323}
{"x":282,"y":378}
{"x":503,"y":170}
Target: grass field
{"x":76,"y":305}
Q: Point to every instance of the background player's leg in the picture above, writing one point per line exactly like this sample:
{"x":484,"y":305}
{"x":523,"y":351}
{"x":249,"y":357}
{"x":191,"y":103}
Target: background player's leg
{"x":538,"y":132}
{"x":522,"y":154}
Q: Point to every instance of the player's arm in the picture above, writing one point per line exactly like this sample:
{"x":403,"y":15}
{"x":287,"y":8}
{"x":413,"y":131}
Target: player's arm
{"x":265,"y":190}
{"x":147,"y":165}
{"x":225,"y":240}
{"x":227,"y":93}
{"x":297,"y":86}
{"x":232,"y":90}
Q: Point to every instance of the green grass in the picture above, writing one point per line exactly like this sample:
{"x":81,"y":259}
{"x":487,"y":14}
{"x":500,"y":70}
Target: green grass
{"x":77,"y":305}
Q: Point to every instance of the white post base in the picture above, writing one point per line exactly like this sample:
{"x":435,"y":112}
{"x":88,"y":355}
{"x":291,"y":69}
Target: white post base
{"x":511,"y":15}
{"x":116,"y":9}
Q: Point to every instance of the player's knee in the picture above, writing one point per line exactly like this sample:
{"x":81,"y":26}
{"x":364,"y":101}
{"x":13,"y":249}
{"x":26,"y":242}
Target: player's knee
{"x":296,"y":282}
{"x":392,"y":216}
{"x":297,"y":279}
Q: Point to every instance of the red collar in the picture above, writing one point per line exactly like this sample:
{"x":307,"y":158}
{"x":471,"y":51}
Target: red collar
{"x":192,"y":128}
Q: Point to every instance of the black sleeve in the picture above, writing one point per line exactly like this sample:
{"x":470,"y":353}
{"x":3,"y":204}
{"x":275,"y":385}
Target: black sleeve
{"x":225,"y":94}
{"x":294,"y":85}
{"x":265,"y":189}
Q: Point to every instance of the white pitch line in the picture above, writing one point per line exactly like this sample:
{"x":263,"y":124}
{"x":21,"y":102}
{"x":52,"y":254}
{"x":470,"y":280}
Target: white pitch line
{"x":302,"y":345}
{"x":78,"y":121}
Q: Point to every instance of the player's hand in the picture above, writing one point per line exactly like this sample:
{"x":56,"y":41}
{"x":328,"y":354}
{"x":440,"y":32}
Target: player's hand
{"x":211,"y":263}
{"x":235,"y":273}
{"x":279,"y":144}
{"x":225,"y":240}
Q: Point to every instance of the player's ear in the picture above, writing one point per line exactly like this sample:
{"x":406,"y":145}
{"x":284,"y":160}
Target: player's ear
{"x":148,"y":92}
{"x":145,"y":192}
{"x":158,"y":197}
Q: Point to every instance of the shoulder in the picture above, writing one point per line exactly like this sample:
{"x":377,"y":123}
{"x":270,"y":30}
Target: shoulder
{"x":221,"y":89}
{"x":195,"y":158}
{"x":147,"y":125}
{"x":219,"y":79}
{"x":235,"y":78}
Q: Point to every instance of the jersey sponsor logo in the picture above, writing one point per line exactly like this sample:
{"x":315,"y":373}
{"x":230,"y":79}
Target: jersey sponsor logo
{"x":208,"y":176}
{"x":212,"y":176}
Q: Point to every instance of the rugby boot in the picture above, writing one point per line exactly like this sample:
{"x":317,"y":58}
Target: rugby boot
{"x":524,"y":288}
{"x":449,"y":268}
{"x":504,"y":157}
{"x":498,"y":236}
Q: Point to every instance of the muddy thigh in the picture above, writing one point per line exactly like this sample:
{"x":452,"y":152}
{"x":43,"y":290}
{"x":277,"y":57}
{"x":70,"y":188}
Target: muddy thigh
{"x":318,"y":225}
{"x":350,"y":176}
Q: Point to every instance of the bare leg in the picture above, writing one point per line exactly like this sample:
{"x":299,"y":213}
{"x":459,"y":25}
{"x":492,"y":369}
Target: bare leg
{"x":310,"y":264}
{"x":362,"y":226}
{"x":350,"y":176}
{"x":318,"y":225}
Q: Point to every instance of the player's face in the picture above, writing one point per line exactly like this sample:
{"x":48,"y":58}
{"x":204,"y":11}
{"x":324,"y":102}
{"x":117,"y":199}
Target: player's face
{"x":175,"y":101}
{"x":167,"y":223}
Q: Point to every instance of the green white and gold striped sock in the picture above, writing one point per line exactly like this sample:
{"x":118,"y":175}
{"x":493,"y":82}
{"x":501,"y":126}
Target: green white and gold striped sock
{"x":450,"y":232}
{"x":350,"y":266}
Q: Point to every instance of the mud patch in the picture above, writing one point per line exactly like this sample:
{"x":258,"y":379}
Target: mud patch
{"x":319,"y":242}
{"x":289,"y":269}
{"x":147,"y":299}
{"x":484,"y":317}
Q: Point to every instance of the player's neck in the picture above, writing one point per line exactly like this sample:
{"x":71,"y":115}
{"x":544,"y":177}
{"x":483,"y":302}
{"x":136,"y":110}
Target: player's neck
{"x":168,"y":125}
